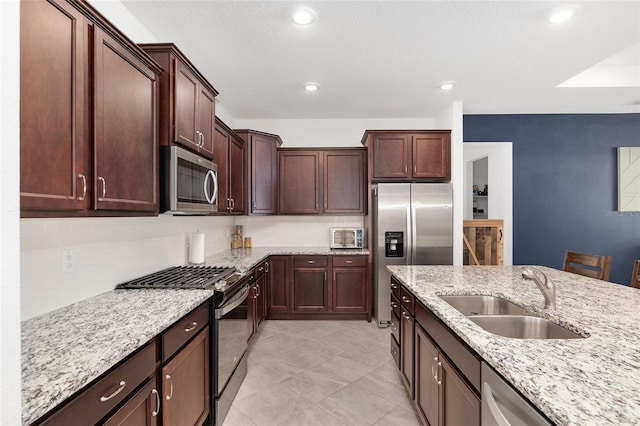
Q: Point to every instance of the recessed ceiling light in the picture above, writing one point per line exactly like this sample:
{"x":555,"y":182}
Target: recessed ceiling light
{"x":447,"y":85}
{"x":311,"y":87}
{"x":303,"y":16}
{"x":563,"y":14}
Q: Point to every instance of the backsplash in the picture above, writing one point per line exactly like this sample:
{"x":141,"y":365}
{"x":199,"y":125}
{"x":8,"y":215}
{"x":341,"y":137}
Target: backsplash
{"x":108,"y":251}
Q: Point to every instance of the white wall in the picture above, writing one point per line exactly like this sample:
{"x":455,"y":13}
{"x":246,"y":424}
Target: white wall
{"x":328,"y":132}
{"x":451,"y":118}
{"x":10,"y":401}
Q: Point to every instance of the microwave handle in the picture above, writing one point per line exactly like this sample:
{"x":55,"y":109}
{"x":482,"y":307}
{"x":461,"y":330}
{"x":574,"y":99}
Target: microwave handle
{"x":211,"y":199}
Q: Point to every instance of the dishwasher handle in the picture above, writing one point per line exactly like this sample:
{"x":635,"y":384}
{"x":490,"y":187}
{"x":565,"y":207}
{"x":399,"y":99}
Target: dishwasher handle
{"x":492,"y":404}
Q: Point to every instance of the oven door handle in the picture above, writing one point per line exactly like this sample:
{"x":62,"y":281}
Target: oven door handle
{"x":233,"y":303}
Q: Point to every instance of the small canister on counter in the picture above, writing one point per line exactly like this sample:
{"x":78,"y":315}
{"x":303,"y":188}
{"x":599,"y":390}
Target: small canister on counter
{"x":236,"y":241}
{"x":247,"y":242}
{"x":239,"y":231}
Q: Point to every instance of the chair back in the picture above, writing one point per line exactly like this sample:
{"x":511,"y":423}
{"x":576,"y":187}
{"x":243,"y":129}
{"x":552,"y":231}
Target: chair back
{"x":635,"y":277}
{"x":588,"y":265}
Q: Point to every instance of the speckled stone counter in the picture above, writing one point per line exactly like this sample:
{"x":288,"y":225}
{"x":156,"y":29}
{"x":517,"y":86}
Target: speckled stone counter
{"x":591,"y":381}
{"x":64,"y":350}
{"x":244,"y":259}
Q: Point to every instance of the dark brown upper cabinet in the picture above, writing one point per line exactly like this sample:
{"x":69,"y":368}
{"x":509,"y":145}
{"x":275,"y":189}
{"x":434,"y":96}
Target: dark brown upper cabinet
{"x":409,"y":155}
{"x":87,"y":146}
{"x":313,"y":181}
{"x":229,"y":155}
{"x":187,"y":101}
{"x":262,"y":170}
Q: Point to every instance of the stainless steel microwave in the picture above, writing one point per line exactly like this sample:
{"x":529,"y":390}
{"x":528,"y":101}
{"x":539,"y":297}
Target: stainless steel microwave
{"x":188,"y":183}
{"x":346,"y":238}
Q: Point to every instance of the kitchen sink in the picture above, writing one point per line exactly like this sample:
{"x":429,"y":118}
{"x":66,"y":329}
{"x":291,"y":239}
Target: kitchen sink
{"x":483,"y":305}
{"x":523,"y":327}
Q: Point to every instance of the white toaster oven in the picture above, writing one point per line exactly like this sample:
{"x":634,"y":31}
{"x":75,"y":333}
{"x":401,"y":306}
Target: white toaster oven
{"x":346,"y":238}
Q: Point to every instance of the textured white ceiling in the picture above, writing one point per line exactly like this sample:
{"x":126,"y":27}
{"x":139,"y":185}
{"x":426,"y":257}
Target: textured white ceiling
{"x":378,"y":59}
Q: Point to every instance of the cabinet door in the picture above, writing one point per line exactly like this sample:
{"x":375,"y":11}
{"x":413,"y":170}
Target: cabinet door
{"x":349,"y":290}
{"x":407,"y":324}
{"x":221,"y":158}
{"x":186,"y":106}
{"x":54,"y":151}
{"x":206,"y":121}
{"x":141,"y":410}
{"x":251,"y":311}
{"x":432,"y":156}
{"x":126,"y":145}
{"x":278,"y":293}
{"x":299,"y":182}
{"x":261,"y":284}
{"x":237,"y":173}
{"x":185,"y":384}
{"x":344,"y":182}
{"x":426,"y":386}
{"x":391,"y":156}
{"x":310,"y":290}
{"x":264,"y":177}
{"x":459,"y":404}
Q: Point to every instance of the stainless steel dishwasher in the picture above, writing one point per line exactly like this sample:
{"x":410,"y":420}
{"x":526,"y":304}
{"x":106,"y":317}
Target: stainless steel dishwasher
{"x":503,"y":406}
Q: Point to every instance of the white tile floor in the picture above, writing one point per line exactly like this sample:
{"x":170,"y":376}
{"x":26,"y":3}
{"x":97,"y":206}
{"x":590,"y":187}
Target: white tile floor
{"x":324,"y":373}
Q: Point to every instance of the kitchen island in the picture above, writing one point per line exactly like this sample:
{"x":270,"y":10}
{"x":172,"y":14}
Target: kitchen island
{"x":590,"y":381}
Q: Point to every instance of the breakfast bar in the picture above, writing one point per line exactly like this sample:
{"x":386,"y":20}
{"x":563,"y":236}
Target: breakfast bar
{"x":592,"y":380}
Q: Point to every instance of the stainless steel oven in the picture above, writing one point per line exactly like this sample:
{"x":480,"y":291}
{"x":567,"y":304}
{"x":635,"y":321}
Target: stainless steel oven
{"x":229,"y":349}
{"x":188,"y":183}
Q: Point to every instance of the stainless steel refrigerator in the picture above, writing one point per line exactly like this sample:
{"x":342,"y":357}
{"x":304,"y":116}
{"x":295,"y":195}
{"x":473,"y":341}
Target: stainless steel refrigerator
{"x":412,"y":225}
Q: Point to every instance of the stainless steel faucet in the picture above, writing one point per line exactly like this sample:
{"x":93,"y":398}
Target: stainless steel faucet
{"x":547,"y":287}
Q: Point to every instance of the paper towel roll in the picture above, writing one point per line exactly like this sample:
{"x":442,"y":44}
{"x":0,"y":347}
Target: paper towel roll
{"x":196,"y":249}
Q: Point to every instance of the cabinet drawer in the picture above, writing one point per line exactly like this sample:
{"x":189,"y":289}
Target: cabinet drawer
{"x":465,"y":360}
{"x":395,"y":288}
{"x":395,"y":305}
{"x":174,"y":338}
{"x":407,"y":300}
{"x":359,"y":261}
{"x":395,"y":325}
{"x":395,"y":352}
{"x":310,"y":261}
{"x":100,"y":398}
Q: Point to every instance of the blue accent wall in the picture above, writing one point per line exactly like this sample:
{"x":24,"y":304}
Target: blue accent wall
{"x":565,"y":185}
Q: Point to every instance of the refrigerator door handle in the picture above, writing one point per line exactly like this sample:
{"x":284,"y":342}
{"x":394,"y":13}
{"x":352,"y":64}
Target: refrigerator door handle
{"x":414,"y":235}
{"x":410,"y":235}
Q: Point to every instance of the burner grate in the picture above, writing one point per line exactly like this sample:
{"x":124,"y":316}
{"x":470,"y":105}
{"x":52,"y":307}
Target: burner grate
{"x":186,"y":277}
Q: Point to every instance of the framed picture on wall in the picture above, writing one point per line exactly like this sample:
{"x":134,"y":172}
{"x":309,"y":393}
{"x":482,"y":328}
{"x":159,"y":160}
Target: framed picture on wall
{"x":629,"y":179}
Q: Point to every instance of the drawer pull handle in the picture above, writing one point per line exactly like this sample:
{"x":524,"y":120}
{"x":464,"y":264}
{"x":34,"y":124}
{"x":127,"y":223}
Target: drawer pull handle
{"x":157,"y":411}
{"x":406,"y":315}
{"x":394,"y":305}
{"x":311,"y":262}
{"x":394,"y":286}
{"x":348,"y":261}
{"x":168,"y":397}
{"x":193,"y":327}
{"x":405,"y":299}
{"x":122,"y":384}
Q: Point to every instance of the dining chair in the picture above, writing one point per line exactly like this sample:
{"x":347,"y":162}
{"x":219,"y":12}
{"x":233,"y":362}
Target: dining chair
{"x":588,"y":265}
{"x":635,"y":277}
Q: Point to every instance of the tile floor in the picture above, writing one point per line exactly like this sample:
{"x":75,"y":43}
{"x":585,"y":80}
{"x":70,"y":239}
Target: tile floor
{"x":324,"y":373}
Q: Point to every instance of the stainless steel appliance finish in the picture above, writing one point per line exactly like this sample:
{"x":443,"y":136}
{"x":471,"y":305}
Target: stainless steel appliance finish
{"x":188,"y":183}
{"x":503,"y":406}
{"x":184,"y":277}
{"x":412,"y":225}
{"x":346,"y":238}
{"x":228,"y":350}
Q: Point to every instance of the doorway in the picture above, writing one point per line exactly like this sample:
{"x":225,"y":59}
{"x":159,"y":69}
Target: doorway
{"x":497,"y":201}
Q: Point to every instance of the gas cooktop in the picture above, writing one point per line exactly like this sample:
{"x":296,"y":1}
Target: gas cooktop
{"x":181,"y":277}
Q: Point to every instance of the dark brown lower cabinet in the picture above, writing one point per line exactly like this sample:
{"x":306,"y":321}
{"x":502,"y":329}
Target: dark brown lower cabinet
{"x":279,"y":283}
{"x":407,"y":326}
{"x":310,"y":290}
{"x":185,"y":384}
{"x":459,"y":405}
{"x":141,"y":410}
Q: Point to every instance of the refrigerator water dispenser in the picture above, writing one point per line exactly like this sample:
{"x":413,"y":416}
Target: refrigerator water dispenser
{"x":394,"y":244}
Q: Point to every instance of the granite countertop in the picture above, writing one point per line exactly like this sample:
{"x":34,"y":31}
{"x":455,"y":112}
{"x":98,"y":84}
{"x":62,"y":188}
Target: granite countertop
{"x":591,"y":381}
{"x":64,"y":350}
{"x":245,"y":259}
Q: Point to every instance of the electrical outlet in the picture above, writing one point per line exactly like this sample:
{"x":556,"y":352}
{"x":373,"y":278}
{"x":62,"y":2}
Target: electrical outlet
{"x":66,"y":261}
{"x":267,"y":231}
